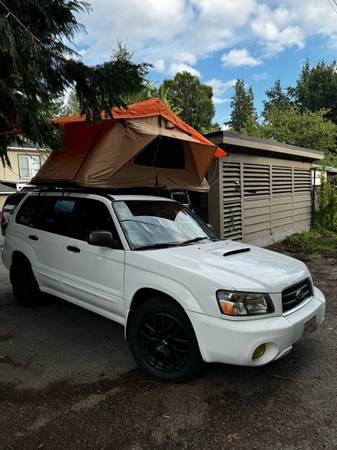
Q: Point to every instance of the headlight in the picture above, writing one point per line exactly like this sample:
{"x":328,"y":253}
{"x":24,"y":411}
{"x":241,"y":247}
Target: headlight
{"x":234,"y":303}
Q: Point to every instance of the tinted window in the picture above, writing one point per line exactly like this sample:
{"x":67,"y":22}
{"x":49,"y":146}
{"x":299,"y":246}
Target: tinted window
{"x":30,"y":209}
{"x":57,"y":216}
{"x":92,"y":215}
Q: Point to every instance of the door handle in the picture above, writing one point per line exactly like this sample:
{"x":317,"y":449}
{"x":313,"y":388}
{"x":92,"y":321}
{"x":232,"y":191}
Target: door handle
{"x":73,"y":249}
{"x":33,"y":237}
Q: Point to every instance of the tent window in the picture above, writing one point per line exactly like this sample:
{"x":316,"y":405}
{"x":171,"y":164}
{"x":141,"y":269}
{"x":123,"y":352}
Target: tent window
{"x":163,"y":152}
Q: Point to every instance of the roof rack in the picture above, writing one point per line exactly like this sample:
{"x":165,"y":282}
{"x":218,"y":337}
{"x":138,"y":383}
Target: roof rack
{"x":174,"y":194}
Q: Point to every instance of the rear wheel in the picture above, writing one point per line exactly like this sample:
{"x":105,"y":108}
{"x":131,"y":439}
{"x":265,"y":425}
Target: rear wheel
{"x":25,"y":287}
{"x":163,"y":341}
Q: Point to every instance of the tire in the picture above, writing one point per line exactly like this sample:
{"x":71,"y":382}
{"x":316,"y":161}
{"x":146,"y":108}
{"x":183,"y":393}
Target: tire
{"x":163,"y":341}
{"x":25,"y":287}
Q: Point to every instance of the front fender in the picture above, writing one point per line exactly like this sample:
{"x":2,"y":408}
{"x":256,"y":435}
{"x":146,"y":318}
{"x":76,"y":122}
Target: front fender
{"x":137,"y":279}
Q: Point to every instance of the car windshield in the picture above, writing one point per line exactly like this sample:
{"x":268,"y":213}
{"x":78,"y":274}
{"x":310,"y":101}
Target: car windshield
{"x":158,"y":224}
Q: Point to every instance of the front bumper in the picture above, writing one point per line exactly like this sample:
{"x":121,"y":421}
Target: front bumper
{"x":234,"y":341}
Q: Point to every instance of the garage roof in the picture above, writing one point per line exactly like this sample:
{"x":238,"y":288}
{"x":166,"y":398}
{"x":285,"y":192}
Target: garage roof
{"x":258,"y":146}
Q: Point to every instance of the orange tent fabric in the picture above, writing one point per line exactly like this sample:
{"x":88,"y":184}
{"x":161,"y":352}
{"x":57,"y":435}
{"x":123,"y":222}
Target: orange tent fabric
{"x":145,"y":145}
{"x":147,"y":108}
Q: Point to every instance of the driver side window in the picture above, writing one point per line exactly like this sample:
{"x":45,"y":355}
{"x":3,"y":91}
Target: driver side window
{"x":93,"y":215}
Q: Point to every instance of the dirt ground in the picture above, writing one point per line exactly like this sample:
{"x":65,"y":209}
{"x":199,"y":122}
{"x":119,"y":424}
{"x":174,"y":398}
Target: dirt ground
{"x":68,"y":381}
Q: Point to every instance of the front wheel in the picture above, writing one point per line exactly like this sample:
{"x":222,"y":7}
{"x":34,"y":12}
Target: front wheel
{"x":163,"y":341}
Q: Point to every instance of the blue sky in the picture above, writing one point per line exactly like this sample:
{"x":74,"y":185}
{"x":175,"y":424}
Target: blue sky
{"x":218,"y":40}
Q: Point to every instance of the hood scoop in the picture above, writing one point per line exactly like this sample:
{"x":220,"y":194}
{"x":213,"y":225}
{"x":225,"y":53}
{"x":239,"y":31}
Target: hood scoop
{"x":238,"y":250}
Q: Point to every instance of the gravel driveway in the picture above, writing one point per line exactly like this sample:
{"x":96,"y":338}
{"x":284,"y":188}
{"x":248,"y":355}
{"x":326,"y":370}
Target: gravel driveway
{"x":68,"y":381}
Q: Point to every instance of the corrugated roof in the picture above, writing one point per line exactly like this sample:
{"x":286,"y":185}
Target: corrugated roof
{"x":266,"y":145}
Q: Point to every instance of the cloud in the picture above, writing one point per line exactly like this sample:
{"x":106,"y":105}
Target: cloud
{"x":276,"y":29}
{"x":182,"y":67}
{"x":168,"y":33}
{"x":239,"y":57}
{"x":220,"y":88}
{"x":159,"y":65}
{"x":175,"y":31}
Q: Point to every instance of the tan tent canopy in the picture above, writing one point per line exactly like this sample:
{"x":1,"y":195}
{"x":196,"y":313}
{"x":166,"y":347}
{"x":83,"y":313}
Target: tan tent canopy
{"x":145,"y":145}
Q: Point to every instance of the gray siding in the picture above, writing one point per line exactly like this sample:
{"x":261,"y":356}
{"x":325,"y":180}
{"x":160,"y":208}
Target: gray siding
{"x":259,"y":200}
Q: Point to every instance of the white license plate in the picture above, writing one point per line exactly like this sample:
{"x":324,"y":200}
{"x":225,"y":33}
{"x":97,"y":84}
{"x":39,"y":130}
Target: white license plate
{"x":310,"y":326}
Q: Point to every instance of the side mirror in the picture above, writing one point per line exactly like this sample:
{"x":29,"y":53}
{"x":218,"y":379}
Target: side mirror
{"x":101,"y":239}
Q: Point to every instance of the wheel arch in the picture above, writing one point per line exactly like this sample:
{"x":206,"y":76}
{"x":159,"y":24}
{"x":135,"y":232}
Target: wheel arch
{"x":142,"y":296}
{"x":17,"y":256}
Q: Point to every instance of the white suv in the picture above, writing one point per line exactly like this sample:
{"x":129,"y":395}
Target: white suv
{"x":148,"y":263}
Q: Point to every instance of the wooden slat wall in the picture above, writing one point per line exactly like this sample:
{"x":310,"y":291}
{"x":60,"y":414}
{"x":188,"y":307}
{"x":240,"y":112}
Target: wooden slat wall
{"x":231,"y":196}
{"x":263,"y":200}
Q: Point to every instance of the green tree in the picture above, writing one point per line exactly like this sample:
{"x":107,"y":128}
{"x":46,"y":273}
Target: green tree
{"x":72,"y":105}
{"x":316,"y":88}
{"x":276,"y":97}
{"x":303,"y":128}
{"x":146,"y":91}
{"x":243,"y":117}
{"x":37,"y":66}
{"x":191,"y":99}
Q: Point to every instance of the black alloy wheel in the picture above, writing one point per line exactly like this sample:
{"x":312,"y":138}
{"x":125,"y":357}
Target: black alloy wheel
{"x":163,"y":342}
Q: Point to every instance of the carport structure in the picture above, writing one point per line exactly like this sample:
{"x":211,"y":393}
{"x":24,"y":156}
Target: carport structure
{"x":261,"y":192}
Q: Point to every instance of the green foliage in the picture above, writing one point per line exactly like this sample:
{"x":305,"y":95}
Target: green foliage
{"x":276,"y":98}
{"x":36,"y":67}
{"x":147,"y":90}
{"x":164,"y":95}
{"x":316,"y":88}
{"x":303,"y":128}
{"x":325,"y":217}
{"x":212,"y":128}
{"x":71,"y":106}
{"x":243,"y":117}
{"x":309,"y":244}
{"x":191,"y":98}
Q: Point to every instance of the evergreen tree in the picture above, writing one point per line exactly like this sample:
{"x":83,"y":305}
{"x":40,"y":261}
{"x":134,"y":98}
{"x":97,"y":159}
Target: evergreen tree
{"x":243,"y":117}
{"x":276,"y":97}
{"x":316,"y":88}
{"x":36,"y":67}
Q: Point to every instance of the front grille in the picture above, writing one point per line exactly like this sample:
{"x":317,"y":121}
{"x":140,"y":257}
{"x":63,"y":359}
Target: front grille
{"x":296,"y":294}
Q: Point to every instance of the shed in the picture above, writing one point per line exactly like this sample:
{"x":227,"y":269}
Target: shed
{"x":262,"y":192}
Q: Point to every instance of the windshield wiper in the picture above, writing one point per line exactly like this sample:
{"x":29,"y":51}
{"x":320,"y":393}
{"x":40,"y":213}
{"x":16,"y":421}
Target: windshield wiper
{"x":197,"y":239}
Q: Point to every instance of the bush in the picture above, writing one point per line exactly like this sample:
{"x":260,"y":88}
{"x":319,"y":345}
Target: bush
{"x":325,"y":217}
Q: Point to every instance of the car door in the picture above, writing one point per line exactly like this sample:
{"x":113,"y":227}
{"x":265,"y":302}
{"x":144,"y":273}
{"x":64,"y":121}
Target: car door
{"x":94,"y":276}
{"x":51,"y":228}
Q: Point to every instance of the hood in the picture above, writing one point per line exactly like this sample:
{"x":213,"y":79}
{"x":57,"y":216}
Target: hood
{"x":256,"y":270}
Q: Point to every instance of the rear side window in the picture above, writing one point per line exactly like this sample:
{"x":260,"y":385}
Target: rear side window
{"x":29,"y":210}
{"x":57,"y":216}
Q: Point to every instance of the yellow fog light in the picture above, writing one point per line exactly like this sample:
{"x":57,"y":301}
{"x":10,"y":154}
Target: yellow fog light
{"x":259,"y":351}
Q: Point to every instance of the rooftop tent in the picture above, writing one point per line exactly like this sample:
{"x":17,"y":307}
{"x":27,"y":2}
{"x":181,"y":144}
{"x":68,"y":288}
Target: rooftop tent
{"x":145,"y":145}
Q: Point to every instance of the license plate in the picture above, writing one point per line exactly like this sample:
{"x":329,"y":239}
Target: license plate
{"x":310,"y":326}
